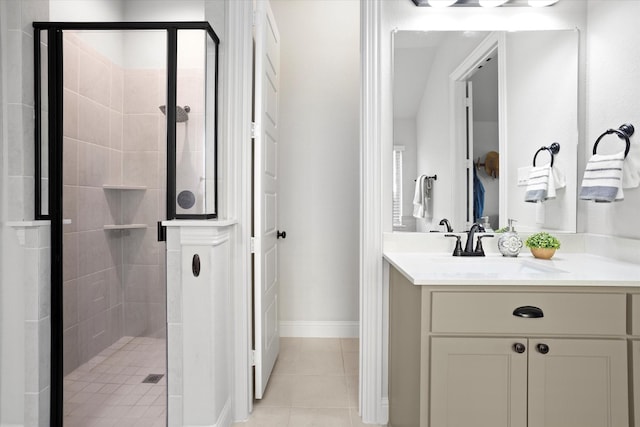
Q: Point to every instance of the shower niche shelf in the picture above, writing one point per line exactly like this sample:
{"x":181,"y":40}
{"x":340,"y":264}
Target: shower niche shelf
{"x":124,"y":187}
{"x":119,"y":187}
{"x":124,"y":226}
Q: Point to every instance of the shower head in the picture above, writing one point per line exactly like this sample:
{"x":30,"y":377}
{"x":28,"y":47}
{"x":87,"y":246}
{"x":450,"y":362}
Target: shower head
{"x":182,"y":114}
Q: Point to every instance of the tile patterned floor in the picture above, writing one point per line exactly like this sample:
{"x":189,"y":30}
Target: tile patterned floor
{"x":108,"y":390}
{"x":314,"y":383}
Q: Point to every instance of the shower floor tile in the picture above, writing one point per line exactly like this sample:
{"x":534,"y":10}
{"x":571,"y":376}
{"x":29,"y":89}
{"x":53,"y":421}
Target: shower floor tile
{"x":108,"y":389}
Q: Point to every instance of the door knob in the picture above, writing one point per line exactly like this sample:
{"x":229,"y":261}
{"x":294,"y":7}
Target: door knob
{"x":519,"y":348}
{"x":281,"y":234}
{"x":543,"y":348}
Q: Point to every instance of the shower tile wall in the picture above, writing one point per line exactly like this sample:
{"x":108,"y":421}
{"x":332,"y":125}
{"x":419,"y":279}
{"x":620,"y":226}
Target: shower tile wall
{"x":144,"y":160}
{"x":112,"y":279}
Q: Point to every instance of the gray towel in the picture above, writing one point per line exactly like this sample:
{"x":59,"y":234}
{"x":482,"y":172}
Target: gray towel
{"x":602,"y":181}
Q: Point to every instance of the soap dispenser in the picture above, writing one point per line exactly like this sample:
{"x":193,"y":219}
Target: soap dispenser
{"x":486,"y":225}
{"x":510,"y":243}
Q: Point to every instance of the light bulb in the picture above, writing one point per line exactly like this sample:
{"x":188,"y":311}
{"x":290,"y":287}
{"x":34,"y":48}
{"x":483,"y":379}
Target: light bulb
{"x":492,"y":3}
{"x":441,"y":3}
{"x":542,"y":3}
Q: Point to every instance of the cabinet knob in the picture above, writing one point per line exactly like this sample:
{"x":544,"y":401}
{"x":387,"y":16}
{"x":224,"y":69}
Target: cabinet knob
{"x":281,"y":234}
{"x":519,"y":348}
{"x":543,"y":348}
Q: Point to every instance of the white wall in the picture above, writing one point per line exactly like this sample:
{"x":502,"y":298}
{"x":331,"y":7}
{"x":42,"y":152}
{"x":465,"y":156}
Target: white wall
{"x":109,"y":44}
{"x":17,"y":204}
{"x":318,"y":160}
{"x":434,"y":143}
{"x":540,"y":113}
{"x":613,"y":98}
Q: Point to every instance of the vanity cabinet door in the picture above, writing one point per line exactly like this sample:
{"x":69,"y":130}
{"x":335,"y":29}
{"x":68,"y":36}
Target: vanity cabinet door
{"x":578,"y":383}
{"x":480,"y":382}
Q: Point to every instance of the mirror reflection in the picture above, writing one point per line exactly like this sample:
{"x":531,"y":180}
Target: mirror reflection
{"x":472,"y":108}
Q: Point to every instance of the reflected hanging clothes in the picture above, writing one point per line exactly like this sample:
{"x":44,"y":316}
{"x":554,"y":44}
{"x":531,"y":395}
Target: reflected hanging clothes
{"x":478,"y":196}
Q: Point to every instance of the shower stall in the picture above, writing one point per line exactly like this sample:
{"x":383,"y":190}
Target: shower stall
{"x":125,"y":138}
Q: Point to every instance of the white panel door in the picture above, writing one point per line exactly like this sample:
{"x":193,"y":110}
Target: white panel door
{"x":267,"y":70}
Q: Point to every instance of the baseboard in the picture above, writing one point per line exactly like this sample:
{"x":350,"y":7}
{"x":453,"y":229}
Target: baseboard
{"x":384,"y":411}
{"x":319,"y":329}
{"x":224,"y":420}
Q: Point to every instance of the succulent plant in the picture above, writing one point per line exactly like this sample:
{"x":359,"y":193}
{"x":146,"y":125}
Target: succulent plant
{"x":542,"y":240}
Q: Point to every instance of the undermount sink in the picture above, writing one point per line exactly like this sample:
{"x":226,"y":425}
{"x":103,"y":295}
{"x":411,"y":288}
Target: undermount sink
{"x":492,"y":266}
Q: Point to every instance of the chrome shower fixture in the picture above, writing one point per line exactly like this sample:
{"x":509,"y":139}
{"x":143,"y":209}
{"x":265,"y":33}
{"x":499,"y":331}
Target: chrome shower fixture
{"x":182,"y":114}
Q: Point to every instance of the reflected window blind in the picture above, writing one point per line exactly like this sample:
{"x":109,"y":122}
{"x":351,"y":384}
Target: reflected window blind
{"x":397,"y":184}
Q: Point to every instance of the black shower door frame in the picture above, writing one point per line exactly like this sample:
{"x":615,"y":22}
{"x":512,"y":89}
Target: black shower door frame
{"x":54,"y":214}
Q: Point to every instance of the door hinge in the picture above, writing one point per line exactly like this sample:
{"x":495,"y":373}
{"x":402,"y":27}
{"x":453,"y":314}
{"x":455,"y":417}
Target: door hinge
{"x":252,"y":245}
{"x":254,"y":130}
{"x":467,"y":102}
{"x":253,"y":358}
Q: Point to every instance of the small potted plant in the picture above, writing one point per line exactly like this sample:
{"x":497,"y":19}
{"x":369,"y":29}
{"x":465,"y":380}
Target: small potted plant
{"x":542,"y":245}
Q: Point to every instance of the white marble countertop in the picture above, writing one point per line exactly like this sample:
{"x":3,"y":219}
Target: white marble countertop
{"x":564,"y":269}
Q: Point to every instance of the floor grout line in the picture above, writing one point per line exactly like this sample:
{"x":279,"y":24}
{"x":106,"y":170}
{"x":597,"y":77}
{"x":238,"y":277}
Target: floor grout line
{"x":108,"y":389}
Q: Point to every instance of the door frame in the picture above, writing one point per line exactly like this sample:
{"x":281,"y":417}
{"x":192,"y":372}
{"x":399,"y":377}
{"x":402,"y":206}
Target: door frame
{"x":496,"y":41}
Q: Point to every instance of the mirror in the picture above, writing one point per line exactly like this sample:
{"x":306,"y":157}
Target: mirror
{"x":483,"y":103}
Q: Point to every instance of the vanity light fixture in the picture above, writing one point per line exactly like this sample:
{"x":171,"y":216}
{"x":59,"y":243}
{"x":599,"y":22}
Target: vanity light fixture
{"x":484,"y":3}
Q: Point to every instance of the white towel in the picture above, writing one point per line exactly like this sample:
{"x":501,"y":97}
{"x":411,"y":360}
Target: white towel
{"x":540,"y":185}
{"x":422,"y":197}
{"x":631,"y":170}
{"x":559,"y":179}
{"x":602,"y":181}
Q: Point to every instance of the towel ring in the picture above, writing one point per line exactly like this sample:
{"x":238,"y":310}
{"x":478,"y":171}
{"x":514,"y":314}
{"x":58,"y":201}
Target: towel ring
{"x":552,"y":149}
{"x":624,"y":132}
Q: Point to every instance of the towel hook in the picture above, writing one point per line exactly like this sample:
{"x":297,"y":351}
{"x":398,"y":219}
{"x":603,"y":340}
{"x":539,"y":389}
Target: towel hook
{"x":624,"y":132}
{"x":552,"y":149}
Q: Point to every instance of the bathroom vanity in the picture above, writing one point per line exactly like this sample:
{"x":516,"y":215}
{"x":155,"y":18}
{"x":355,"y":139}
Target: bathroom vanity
{"x":513,"y":341}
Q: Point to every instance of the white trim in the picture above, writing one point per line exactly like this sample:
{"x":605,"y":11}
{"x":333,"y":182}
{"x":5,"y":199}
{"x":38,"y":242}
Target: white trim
{"x":372,"y":341}
{"x":493,"y":42}
{"x":26,"y":224}
{"x":239,"y":60}
{"x":199,"y":223}
{"x":224,"y":419}
{"x":319,"y":329}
